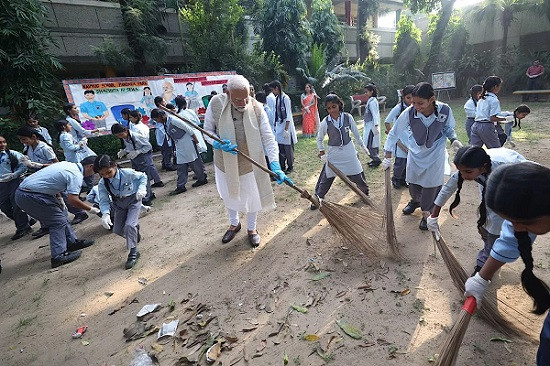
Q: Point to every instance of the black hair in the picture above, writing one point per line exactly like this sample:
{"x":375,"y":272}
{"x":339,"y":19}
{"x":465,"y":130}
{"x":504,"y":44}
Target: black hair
{"x":125,"y":111}
{"x":119,"y":128}
{"x":372,"y":87}
{"x":489,"y":84}
{"x":522,"y":108}
{"x":408,"y":89}
{"x":67,"y":108}
{"x":89,"y":91}
{"x":522,"y":192}
{"x":60,"y":127}
{"x":180,"y":102}
{"x":474,"y":90}
{"x":14,"y":162}
{"x":103,"y":161}
{"x":189,"y":83}
{"x":266,"y":88}
{"x":276,"y":84}
{"x":170,"y":106}
{"x":471,"y":156}
{"x":425,"y":90}
{"x":135,"y":113}
{"x":213,"y":92}
{"x":261,"y":97}
{"x":158,"y":100}
{"x":88,"y":160}
{"x":333,"y":98}
{"x":27,"y":131}
{"x":144,"y":89}
{"x":157,"y":113}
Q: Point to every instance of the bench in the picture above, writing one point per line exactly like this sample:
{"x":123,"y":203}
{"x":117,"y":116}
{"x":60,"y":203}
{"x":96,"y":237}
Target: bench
{"x":546,"y":93}
{"x":360,"y":100}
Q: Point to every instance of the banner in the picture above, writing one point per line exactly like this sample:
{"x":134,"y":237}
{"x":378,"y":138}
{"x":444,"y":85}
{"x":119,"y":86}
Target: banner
{"x":100,"y":101}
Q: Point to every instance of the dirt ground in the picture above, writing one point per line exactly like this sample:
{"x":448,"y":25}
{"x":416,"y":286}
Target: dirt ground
{"x":245,"y":297}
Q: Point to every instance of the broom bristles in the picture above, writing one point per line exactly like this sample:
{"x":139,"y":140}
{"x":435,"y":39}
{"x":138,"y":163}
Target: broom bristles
{"x":489,"y":310}
{"x":450,"y":347}
{"x":391,"y":236}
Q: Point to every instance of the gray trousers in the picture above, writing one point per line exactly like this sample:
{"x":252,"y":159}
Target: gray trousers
{"x":400,"y":168}
{"x":373,"y":151}
{"x":286,"y":156}
{"x":197,"y":166}
{"x":468,"y":125}
{"x":8,"y":205}
{"x":47,"y":209}
{"x":488,"y":240}
{"x":324,"y":183}
{"x":425,"y":196}
{"x":167,"y":153}
{"x":484,"y":133}
{"x":144,"y":163}
{"x":126,"y":219}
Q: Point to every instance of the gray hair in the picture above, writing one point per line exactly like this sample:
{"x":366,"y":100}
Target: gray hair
{"x":238,"y":82}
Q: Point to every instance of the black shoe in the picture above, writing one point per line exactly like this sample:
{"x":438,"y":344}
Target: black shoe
{"x":312,"y":207}
{"x":423,"y":224}
{"x":476,"y":270}
{"x":395,"y":184}
{"x":254,"y":240}
{"x":40,"y":232}
{"x":230,"y":234}
{"x":132,"y":259}
{"x":153,"y":196}
{"x":199,"y":183}
{"x":32,"y":221}
{"x":21,"y":233}
{"x":65,"y":258}
{"x":147,"y":203}
{"x":411,"y":207}
{"x":79,"y":244}
{"x":375,"y":164}
{"x":157,"y":184}
{"x":403,"y":183}
{"x":194,"y":177}
{"x":177,"y":191}
{"x":289,"y":170}
{"x":79,"y":218}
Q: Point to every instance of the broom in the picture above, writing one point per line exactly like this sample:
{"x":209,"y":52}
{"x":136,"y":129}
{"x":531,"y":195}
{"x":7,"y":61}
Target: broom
{"x":489,"y":311}
{"x":391,"y":237}
{"x":449,"y":350}
{"x":349,"y":222}
{"x":366,"y":199}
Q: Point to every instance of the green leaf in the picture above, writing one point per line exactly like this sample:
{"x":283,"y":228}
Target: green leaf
{"x":300,"y":309}
{"x":285,"y":359}
{"x":320,"y":276}
{"x":350,"y":330}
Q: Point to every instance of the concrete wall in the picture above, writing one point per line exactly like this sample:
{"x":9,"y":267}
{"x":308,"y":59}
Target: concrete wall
{"x":385,"y":47}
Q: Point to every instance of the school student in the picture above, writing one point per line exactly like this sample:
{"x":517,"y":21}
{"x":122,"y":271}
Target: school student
{"x":400,"y":163}
{"x":121,"y":191}
{"x":166,"y":146}
{"x":371,"y":120}
{"x":340,"y":150}
{"x":475,"y":164}
{"x":187,"y":154}
{"x":140,"y":152}
{"x":514,"y":118}
{"x":519,"y":193}
{"x":190,"y":115}
{"x":78,"y":132}
{"x":40,"y":195}
{"x":285,"y":133}
{"x":136,"y":126}
{"x":32,"y":122}
{"x":488,"y":107}
{"x":11,"y":171}
{"x":428,"y":124}
{"x":470,"y":109}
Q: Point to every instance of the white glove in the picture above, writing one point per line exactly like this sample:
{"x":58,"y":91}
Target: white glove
{"x":456,"y":145}
{"x":133,"y":154}
{"x":475,"y":286}
{"x":509,"y":118}
{"x":323,"y":158}
{"x":432,"y":224}
{"x":386,"y":163}
{"x":106,"y":221}
{"x":286,"y":134}
{"x":140,"y":195}
{"x":121,"y":153}
{"x":94,"y":210}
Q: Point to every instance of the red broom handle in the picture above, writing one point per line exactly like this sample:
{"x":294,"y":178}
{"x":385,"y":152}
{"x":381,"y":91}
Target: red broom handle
{"x":470,"y":305}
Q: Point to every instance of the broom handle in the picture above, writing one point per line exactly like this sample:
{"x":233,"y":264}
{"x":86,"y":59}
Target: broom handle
{"x":302,"y":192}
{"x":402,"y":146}
{"x":352,"y":186}
{"x":470,"y":305}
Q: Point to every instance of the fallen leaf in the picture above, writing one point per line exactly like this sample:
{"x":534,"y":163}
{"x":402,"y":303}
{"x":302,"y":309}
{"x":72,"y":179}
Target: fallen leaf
{"x":382,"y":342}
{"x":501,"y":339}
{"x":341,"y":293}
{"x":257,"y":354}
{"x":300,"y":309}
{"x":401,"y":292}
{"x":285,"y":359}
{"x":250,"y":329}
{"x":108,"y":294}
{"x":349,"y":330}
{"x":214,"y":352}
{"x":230,"y":339}
{"x":311,"y":337}
{"x":85,"y":343}
{"x":157,"y":347}
{"x":253,"y":321}
{"x":320,"y":276}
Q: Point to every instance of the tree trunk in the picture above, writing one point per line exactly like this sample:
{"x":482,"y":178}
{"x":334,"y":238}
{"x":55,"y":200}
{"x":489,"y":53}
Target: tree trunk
{"x":140,"y":67}
{"x":507,"y":19}
{"x":362,"y":16}
{"x":446,"y":11}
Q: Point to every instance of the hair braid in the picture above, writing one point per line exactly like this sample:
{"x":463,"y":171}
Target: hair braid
{"x":456,"y":202}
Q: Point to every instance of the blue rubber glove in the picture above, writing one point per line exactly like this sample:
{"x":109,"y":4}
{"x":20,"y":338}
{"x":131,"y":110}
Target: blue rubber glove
{"x":275,"y":167}
{"x":227,"y":146}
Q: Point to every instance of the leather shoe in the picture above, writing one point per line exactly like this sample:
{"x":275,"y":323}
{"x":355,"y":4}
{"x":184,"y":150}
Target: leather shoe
{"x":132,"y":259}
{"x":32,"y":221}
{"x":177,"y":191}
{"x":230,"y":234}
{"x":254,"y":239}
{"x":21,"y":233}
{"x":40,"y":232}
{"x":79,"y":218}
{"x":423,"y":224}
{"x":411,"y":206}
{"x":199,"y":183}
{"x":79,"y":244}
{"x":157,"y":184}
{"x":65,"y":258}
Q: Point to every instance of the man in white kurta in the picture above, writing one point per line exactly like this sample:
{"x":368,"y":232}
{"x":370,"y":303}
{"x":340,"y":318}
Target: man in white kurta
{"x":241,"y":122}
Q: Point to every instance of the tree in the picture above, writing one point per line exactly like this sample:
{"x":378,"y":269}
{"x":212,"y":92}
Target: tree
{"x":212,"y":41}
{"x":326,"y":29}
{"x":365,"y":9}
{"x":453,"y":42}
{"x":407,"y":43}
{"x":26,"y":63}
{"x":285,"y":31}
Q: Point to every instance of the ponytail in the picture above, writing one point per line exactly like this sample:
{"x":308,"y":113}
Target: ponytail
{"x":532,"y":285}
{"x":489,"y":84}
{"x":482,"y":208}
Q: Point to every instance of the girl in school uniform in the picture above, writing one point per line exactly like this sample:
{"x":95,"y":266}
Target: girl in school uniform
{"x":470,"y":109}
{"x":400,"y":164}
{"x":136,"y":126}
{"x":74,"y":150}
{"x":514,"y":118}
{"x":285,"y":133}
{"x":371,"y":119}
{"x":428,"y":124}
{"x":520,"y":193}
{"x":488,"y":107}
{"x":140,"y":152}
{"x":340,"y":150}
{"x":11,"y":170}
{"x":32,"y":122}
{"x":475,"y":164}
{"x":122,"y":191}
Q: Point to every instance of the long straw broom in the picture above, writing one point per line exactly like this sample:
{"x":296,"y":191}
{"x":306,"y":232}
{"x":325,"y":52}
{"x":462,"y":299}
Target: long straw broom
{"x":391,"y":236}
{"x":366,"y":199}
{"x":449,"y":350}
{"x":349,"y":222}
{"x":489,"y":311}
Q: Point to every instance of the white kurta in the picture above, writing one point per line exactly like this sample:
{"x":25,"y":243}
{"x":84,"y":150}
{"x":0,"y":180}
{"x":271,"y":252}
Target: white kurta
{"x":371,"y":122}
{"x":185,"y":146}
{"x":280,"y":125}
{"x":391,"y":118}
